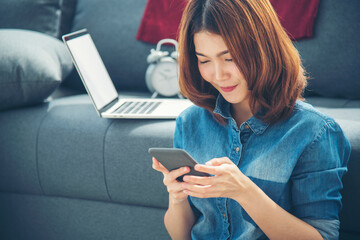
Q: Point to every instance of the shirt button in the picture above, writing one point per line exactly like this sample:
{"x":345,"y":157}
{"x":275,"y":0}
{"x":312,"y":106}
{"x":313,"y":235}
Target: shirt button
{"x":247,"y":126}
{"x":237,"y":149}
{"x":224,"y":215}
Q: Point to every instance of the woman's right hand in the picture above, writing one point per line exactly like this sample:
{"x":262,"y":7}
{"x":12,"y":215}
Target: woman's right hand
{"x":175,"y":189}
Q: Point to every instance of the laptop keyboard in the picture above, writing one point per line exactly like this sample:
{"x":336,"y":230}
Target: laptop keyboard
{"x":138,"y":107}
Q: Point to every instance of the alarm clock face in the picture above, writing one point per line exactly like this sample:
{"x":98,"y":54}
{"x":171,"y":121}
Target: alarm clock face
{"x":165,"y":79}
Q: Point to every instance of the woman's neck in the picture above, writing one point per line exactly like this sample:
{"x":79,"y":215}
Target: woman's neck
{"x":241,"y":112}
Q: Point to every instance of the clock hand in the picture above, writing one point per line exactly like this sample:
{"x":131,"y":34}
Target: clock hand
{"x":163,"y":74}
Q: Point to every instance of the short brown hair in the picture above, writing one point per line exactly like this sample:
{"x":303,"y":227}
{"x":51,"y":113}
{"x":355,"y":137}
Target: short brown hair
{"x":259,"y":46}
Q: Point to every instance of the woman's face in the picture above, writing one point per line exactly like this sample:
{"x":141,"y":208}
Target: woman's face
{"x":216,"y":67}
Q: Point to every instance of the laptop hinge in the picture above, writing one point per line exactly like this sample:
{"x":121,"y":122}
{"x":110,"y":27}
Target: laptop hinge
{"x":108,"y":106}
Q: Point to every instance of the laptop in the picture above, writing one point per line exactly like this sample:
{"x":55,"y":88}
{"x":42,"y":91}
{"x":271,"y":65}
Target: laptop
{"x":102,"y":91}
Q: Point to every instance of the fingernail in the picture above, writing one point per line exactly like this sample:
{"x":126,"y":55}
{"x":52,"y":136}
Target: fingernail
{"x":197,"y":167}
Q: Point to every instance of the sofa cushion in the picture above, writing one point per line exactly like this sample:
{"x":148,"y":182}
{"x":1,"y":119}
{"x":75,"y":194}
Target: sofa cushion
{"x":26,"y":216}
{"x":333,"y":102}
{"x":113,"y":28}
{"x":38,"y":15}
{"x":113,"y":164}
{"x":67,"y":15}
{"x":32,"y":65}
{"x":332,"y":56}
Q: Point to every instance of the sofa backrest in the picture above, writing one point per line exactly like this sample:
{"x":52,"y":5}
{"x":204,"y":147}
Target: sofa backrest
{"x":53,"y":17}
{"x":113,"y":25}
{"x":330,"y":57}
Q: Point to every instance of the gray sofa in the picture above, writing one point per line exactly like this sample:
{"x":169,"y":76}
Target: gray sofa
{"x":65,"y":173}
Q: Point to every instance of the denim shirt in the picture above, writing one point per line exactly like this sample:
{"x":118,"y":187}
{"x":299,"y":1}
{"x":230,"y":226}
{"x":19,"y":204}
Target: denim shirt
{"x":298,"y":163}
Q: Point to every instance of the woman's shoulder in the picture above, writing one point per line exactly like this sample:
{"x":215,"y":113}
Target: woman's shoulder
{"x":305,"y":113}
{"x":194,"y":113}
{"x":322,"y":136}
{"x":311,"y":124}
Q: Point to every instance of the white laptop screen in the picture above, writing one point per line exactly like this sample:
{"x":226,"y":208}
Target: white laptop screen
{"x":91,"y":67}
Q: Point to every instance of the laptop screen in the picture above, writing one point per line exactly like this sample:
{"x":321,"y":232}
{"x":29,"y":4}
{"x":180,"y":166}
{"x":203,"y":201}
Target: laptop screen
{"x":91,"y":68}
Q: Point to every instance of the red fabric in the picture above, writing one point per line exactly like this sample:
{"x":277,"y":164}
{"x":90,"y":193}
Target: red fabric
{"x":162,"y":17}
{"x":161,"y":20}
{"x":297,"y":16}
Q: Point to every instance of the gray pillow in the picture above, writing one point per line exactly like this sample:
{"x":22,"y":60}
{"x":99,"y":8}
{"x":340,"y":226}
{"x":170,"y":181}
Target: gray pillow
{"x":32,"y":65}
{"x":38,"y":15}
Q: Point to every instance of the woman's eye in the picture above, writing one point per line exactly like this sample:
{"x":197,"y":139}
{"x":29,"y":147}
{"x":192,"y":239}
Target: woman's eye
{"x":203,"y":62}
{"x":228,"y":60}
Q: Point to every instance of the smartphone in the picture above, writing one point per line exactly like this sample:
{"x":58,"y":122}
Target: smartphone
{"x":173,"y":158}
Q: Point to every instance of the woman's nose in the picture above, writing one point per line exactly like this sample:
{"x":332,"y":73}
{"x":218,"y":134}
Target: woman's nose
{"x":220,"y":73}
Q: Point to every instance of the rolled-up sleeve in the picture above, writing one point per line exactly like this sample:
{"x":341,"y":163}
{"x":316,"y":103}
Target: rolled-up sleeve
{"x":328,"y":229}
{"x":316,"y":180}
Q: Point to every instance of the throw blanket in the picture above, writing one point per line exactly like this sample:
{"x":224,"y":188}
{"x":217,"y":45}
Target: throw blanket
{"x":162,"y":17}
{"x":297,"y":16}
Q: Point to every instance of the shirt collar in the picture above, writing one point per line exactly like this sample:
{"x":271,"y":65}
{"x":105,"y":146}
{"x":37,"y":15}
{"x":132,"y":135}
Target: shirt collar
{"x":222,"y":108}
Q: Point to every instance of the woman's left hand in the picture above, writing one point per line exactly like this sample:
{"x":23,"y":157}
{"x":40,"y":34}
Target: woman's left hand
{"x":228,"y":181}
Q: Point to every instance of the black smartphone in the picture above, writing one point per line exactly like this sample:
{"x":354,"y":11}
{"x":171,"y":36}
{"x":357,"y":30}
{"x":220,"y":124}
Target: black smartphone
{"x":174,"y":158}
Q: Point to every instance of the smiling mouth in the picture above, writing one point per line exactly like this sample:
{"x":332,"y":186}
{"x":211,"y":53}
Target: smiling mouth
{"x":228,"y":89}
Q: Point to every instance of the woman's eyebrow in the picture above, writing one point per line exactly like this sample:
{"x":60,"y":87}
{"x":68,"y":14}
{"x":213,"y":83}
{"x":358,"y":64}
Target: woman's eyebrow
{"x":217,"y":55}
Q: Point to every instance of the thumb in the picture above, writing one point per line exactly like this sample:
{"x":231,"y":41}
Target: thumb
{"x":218,"y":161}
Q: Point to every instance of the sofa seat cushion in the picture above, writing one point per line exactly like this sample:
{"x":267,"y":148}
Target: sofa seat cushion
{"x":325,"y":102}
{"x":72,"y":152}
{"x":32,"y":65}
{"x":26,"y":216}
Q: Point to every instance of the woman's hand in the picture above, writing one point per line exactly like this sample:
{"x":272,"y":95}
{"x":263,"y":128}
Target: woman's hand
{"x":175,"y":189}
{"x":228,"y":181}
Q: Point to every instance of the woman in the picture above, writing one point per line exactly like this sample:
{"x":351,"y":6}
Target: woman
{"x":276,"y":162}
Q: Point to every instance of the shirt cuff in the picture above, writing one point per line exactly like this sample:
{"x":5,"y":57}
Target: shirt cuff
{"x":328,"y":229}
